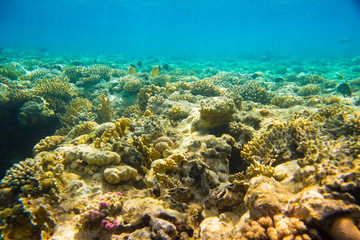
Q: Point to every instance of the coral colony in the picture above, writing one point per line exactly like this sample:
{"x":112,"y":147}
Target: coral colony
{"x":163,"y":149}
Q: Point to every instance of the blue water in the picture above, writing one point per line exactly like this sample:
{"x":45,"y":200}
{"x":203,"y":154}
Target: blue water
{"x":183,"y":27}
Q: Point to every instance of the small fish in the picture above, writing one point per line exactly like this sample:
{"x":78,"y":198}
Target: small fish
{"x":155,"y":71}
{"x":95,"y":60}
{"x":344,"y":89}
{"x":344,"y":41}
{"x":1,"y":49}
{"x":132,"y":69}
{"x":166,"y":66}
{"x":76,"y":63}
{"x":139,"y":63}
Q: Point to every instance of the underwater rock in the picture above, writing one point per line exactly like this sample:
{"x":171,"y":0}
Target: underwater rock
{"x":215,"y":228}
{"x":266,"y":197}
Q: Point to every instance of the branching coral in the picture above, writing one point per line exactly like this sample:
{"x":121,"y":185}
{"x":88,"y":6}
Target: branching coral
{"x":105,"y":111}
{"x":206,"y":88}
{"x":254,"y":92}
{"x":56,"y":91}
{"x":147,"y":92}
{"x":78,"y":111}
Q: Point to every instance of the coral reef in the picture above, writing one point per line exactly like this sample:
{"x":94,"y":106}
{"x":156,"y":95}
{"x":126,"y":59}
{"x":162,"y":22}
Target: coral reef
{"x":258,"y":148}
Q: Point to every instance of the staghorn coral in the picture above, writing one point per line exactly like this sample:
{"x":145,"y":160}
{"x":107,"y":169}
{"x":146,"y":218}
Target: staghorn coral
{"x":48,"y":143}
{"x":120,"y":127}
{"x":149,"y":153}
{"x":56,"y":91}
{"x":216,"y":111}
{"x":205,"y":88}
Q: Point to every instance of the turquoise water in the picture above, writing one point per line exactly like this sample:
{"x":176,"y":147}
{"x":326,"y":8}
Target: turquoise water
{"x":183,"y":27}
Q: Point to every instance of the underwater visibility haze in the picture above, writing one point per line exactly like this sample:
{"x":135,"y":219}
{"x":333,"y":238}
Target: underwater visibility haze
{"x":179,"y":119}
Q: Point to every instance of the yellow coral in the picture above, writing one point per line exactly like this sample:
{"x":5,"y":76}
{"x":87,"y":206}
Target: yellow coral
{"x":48,"y":143}
{"x":105,"y":111}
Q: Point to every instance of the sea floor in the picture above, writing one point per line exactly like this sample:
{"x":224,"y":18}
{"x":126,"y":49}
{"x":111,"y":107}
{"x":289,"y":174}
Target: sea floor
{"x":119,"y":147}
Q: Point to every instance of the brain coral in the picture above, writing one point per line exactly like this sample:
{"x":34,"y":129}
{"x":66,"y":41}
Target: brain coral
{"x":100,"y":158}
